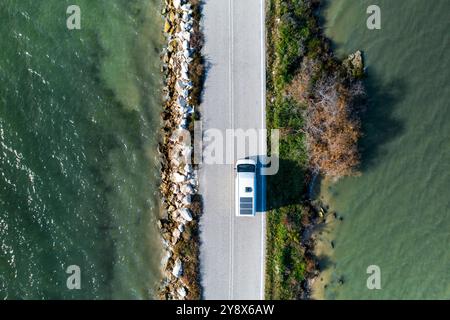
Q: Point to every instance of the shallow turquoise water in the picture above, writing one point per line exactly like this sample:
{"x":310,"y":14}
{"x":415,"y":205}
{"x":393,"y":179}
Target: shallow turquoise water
{"x":79,"y":116}
{"x":397,"y":214}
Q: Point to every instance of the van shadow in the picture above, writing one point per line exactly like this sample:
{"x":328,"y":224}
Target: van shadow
{"x":261,"y":187}
{"x":287,"y":186}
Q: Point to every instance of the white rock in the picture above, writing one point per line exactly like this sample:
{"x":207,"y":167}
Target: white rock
{"x":185,"y":35}
{"x":183,"y":124}
{"x":184,"y":75}
{"x":174,"y":162}
{"x":166,"y":257}
{"x":181,"y":227}
{"x":187,"y":168}
{"x":186,"y":7}
{"x":184,"y":67}
{"x":175,"y":188}
{"x":175,"y":214}
{"x":186,"y":53}
{"x":187,"y":189}
{"x":186,"y":17}
{"x":189,"y":110}
{"x":176,"y":177}
{"x":186,"y":200}
{"x":177,"y":268}
{"x":183,"y":85}
{"x":182,"y":102}
{"x":186,"y":152}
{"x":182,"y":292}
{"x":181,"y":220}
{"x":186,"y":214}
{"x":188,"y":26}
{"x":184,"y":93}
{"x":189,"y":85}
{"x":177,"y":4}
{"x":175,"y":236}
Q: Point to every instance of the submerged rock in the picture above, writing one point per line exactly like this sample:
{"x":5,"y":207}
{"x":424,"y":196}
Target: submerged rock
{"x":354,"y":64}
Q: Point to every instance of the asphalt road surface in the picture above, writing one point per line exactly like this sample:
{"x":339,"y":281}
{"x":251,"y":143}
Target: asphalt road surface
{"x":232,"y":248}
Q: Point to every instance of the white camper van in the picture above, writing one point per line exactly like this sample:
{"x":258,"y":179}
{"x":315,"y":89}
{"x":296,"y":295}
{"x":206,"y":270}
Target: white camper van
{"x":245,"y":188}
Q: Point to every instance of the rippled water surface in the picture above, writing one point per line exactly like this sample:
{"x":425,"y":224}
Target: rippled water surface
{"x":79,"y":116}
{"x":397,"y":214}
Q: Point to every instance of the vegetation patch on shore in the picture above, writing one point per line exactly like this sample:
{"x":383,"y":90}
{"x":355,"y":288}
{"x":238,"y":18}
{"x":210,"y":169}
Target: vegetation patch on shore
{"x":315,"y":101}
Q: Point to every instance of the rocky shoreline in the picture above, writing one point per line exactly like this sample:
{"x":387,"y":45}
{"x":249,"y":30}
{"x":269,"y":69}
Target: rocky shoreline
{"x":318,"y":214}
{"x":181,"y":204}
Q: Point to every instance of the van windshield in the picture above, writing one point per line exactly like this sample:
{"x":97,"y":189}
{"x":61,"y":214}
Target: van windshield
{"x":246,"y":168}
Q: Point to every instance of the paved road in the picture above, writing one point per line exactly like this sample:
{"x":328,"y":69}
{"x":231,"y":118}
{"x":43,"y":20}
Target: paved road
{"x":232,"y":249}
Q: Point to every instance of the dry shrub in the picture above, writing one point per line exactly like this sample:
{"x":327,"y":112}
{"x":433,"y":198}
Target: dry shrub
{"x":332,"y":128}
{"x":300,"y":86}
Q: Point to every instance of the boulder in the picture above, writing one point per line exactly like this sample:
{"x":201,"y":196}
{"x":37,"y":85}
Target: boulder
{"x":189,"y":110}
{"x":174,"y":163}
{"x":182,"y":102}
{"x":175,"y":188}
{"x":165,"y":243}
{"x":184,"y":67}
{"x":186,"y":53}
{"x":187,"y":168}
{"x":193,"y":182}
{"x":186,"y":7}
{"x":182,"y":292}
{"x":355,"y":64}
{"x":177,"y":268}
{"x":186,"y":17}
{"x":176,"y":4}
{"x":167,"y":26}
{"x":186,"y":200}
{"x":184,"y":75}
{"x":186,"y":151}
{"x":356,"y":59}
{"x":183,"y":124}
{"x":176,"y":234}
{"x":185,"y":35}
{"x":177,"y":177}
{"x":186,"y":214}
{"x":166,"y":257}
{"x":187,"y":189}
